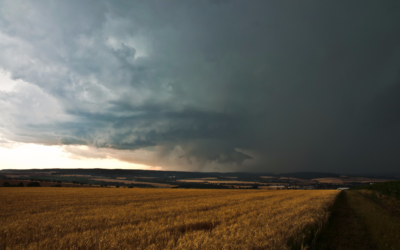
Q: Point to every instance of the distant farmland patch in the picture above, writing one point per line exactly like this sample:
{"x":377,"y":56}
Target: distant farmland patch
{"x":345,"y":180}
{"x":233,"y":182}
{"x":329,"y":180}
{"x":136,"y":182}
{"x":42,"y":183}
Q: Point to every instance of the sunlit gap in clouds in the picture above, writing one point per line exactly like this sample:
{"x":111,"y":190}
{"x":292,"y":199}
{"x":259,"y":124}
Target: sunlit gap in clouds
{"x":6,"y":83}
{"x":15,"y":155}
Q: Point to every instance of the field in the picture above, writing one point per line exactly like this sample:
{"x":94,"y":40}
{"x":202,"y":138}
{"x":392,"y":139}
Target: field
{"x":386,"y":194}
{"x":111,"y":218}
{"x":137,"y":182}
{"x":358,"y":222}
{"x":390,"y":189}
{"x":42,"y":184}
{"x":366,"y":217}
{"x":347,"y":180}
{"x":221,"y":182}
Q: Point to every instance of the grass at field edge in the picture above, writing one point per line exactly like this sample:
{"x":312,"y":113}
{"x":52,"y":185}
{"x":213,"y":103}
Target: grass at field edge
{"x":357,"y":222}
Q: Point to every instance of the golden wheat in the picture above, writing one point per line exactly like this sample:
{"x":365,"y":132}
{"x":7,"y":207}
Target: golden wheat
{"x":111,"y":218}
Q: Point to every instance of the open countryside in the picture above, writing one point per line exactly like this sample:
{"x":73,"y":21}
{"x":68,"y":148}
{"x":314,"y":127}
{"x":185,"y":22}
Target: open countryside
{"x":140,"y":218}
{"x":53,"y":217}
{"x":367,"y":218}
{"x":199,"y":125}
{"x":183,"y":179}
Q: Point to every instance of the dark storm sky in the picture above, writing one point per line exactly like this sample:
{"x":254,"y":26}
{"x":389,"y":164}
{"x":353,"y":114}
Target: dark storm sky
{"x":272,"y":86}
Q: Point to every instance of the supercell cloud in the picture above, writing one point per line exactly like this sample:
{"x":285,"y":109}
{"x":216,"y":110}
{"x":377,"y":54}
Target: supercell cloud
{"x":201,"y":85}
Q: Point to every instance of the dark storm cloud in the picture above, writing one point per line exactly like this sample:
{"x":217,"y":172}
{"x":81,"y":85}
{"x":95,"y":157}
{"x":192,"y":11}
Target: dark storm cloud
{"x":261,"y":86}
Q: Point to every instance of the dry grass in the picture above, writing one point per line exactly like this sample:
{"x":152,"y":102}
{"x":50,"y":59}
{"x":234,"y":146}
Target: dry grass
{"x":346,"y":229}
{"x":383,"y":227}
{"x":93,"y":218}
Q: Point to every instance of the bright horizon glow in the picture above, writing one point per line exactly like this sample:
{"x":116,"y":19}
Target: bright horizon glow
{"x":29,"y":156}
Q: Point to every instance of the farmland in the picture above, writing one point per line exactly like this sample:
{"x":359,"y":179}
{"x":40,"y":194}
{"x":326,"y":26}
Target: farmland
{"x":136,"y":182}
{"x":358,"y":222}
{"x":182,"y":179}
{"x":139,"y":218}
{"x":387,"y":195}
{"x":389,"y":189}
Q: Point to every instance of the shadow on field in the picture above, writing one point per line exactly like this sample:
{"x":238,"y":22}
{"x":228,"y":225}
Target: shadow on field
{"x":345,"y":230}
{"x":204,"y":225}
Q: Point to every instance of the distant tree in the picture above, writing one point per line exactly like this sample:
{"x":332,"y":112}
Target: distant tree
{"x":20,"y":184}
{"x":255,"y":186}
{"x":6,"y":184}
{"x":117,"y":186}
{"x":57,"y":185}
{"x":130,"y":186}
{"x":33,"y":184}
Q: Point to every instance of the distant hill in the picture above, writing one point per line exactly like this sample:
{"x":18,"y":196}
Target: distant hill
{"x":309,"y":175}
{"x":137,"y":173}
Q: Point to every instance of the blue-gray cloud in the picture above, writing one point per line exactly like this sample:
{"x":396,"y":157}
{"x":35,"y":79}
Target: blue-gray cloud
{"x":260,"y":86}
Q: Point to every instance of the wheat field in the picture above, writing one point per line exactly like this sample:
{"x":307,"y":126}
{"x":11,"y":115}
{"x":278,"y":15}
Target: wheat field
{"x":112,"y":218}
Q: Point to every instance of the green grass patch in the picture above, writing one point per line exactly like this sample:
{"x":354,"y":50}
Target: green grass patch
{"x":390,"y":188}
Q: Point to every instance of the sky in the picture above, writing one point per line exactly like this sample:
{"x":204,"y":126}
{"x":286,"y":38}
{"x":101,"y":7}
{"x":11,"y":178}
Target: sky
{"x":258,"y":86}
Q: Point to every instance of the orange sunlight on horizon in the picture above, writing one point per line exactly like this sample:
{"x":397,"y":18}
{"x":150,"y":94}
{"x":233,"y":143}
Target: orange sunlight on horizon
{"x":29,"y":155}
